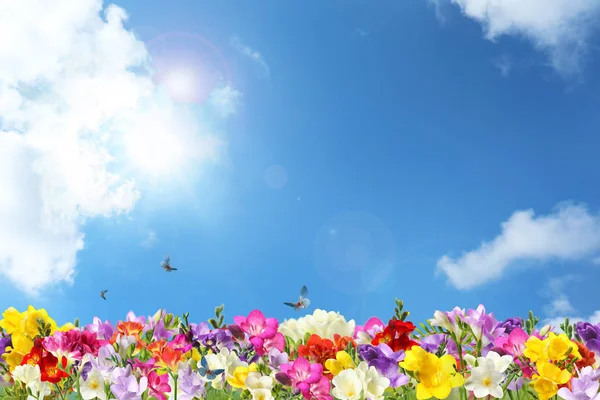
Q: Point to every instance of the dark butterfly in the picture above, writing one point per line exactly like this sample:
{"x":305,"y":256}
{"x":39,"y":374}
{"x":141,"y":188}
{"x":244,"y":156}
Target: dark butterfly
{"x":303,"y":300}
{"x":207,"y":373}
{"x":102,"y":293}
{"x":166,"y":264}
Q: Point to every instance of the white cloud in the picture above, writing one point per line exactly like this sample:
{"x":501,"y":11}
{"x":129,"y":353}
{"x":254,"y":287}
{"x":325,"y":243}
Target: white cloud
{"x":225,"y":100}
{"x":560,"y":28}
{"x":150,"y":240}
{"x":72,"y":112}
{"x":437,"y":7}
{"x":252,"y":54}
{"x":570,"y":233}
{"x":559,"y":301}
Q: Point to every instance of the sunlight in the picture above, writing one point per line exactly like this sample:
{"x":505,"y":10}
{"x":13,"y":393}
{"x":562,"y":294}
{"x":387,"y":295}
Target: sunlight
{"x":182,"y":84}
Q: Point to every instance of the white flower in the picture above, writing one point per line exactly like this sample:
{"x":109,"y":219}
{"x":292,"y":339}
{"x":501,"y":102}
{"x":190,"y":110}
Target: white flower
{"x":485,"y":380}
{"x":441,"y":319}
{"x":347,"y":385}
{"x":124,"y":342}
{"x":374,"y":384}
{"x":257,"y":381}
{"x":27,"y":374}
{"x":322,"y":323}
{"x":262,"y":394}
{"x":363,"y":337}
{"x":93,"y":386}
{"x":224,"y":359}
{"x":500,"y":363}
{"x":30,"y":375}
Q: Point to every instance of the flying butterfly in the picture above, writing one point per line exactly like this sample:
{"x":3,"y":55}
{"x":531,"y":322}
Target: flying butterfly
{"x":102,"y":293}
{"x":303,"y":300}
{"x":166,"y":264}
{"x":206,"y":372}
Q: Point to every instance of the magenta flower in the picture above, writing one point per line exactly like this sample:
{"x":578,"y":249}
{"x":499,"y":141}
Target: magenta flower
{"x":368,"y":327}
{"x":259,"y":328}
{"x":158,"y":385}
{"x":513,"y":344}
{"x":320,"y":390}
{"x":303,"y":373}
{"x":180,"y":343}
{"x":144,"y":368}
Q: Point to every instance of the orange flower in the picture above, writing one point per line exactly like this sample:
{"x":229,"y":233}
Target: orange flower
{"x":169,"y":358}
{"x":156,"y":348}
{"x":50,"y":370}
{"x":130,"y":328}
{"x":341,"y":342}
{"x":318,"y":350}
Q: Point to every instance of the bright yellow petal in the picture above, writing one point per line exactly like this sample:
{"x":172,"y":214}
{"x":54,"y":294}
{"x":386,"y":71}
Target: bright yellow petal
{"x":344,"y":359}
{"x":422,"y":392}
{"x":333,"y":366}
{"x":442,"y":391}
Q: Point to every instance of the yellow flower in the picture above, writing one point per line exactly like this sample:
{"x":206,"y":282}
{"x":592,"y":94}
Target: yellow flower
{"x":193,"y":355}
{"x":12,"y":320}
{"x":559,"y":347}
{"x":239,"y":376}
{"x":66,"y":327}
{"x":341,"y":362}
{"x":437,"y":376}
{"x":31,"y":323}
{"x":554,"y":347}
{"x":550,"y":376}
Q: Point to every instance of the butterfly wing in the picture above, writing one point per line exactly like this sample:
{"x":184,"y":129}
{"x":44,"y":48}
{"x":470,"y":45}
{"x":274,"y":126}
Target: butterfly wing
{"x":305,"y":302}
{"x":293,"y":305}
{"x":204,"y":363}
{"x":303,"y":291}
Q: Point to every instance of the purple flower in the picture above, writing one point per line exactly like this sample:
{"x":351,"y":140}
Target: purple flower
{"x":161,"y":333}
{"x":105,"y":362}
{"x":189,"y":384}
{"x":85,"y":370}
{"x":432,"y":343}
{"x":583,"y":388}
{"x":216,"y":340}
{"x":103,"y":330}
{"x":385,"y":362}
{"x":509,"y":324}
{"x":4,"y":343}
{"x":199,"y":329}
{"x":126,"y":386}
{"x":277,"y":358}
{"x":590,"y":334}
{"x":484,"y":326}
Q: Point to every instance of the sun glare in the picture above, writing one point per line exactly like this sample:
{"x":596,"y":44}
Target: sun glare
{"x":182,"y":84}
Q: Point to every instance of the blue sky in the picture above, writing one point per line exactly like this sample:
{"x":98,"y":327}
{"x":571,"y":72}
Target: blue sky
{"x":355,"y":146}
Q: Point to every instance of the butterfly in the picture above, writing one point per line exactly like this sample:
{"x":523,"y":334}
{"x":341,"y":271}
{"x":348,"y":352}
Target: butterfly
{"x":302,"y":302}
{"x":206,"y":372}
{"x":102,"y":293}
{"x":166,"y":264}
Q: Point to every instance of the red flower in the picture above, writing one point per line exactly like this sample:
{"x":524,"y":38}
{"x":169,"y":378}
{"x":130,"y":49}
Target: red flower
{"x":396,"y":335}
{"x":587,"y":357}
{"x":50,"y":370}
{"x":318,"y":350}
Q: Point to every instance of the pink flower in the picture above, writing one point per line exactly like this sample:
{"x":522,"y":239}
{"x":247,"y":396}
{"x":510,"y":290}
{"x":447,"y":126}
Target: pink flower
{"x":513,"y":344}
{"x":73,"y":344}
{"x":320,"y":390}
{"x":369,"y":325}
{"x":158,"y":385}
{"x":303,"y":374}
{"x":260,"y":329}
{"x":180,"y":343}
{"x":144,"y":368}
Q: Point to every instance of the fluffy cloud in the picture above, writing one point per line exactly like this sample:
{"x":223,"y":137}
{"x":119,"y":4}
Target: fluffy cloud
{"x":560,"y":306}
{"x":570,"y":233}
{"x":558,"y":27}
{"x":75,"y":102}
{"x":150,"y":240}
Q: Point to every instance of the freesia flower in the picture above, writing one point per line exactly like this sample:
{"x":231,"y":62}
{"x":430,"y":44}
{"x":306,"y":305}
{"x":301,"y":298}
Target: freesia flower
{"x":238,"y":380}
{"x":347,"y":385}
{"x":259,"y":328}
{"x":585,"y":387}
{"x":126,"y":385}
{"x":158,"y":385}
{"x":484,"y":326}
{"x":432,"y":343}
{"x":322,"y":323}
{"x":437,"y":376}
{"x":303,"y":373}
{"x":364,"y":334}
{"x":510,"y":324}
{"x":546,"y":381}
{"x":396,"y":335}
{"x":189,"y":384}
{"x":277,"y":358}
{"x":385,"y":362}
{"x":448,"y":320}
{"x":103,"y":330}
{"x":341,"y":362}
{"x":590,"y":335}
{"x":485,"y":378}
{"x":260,"y":386}
{"x":225,"y":359}
{"x":92,"y":386}
{"x":554,"y":347}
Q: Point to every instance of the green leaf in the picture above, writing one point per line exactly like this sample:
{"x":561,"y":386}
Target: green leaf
{"x":306,"y":336}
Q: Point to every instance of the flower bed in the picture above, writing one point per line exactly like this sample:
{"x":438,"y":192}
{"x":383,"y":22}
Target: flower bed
{"x":458,"y":354}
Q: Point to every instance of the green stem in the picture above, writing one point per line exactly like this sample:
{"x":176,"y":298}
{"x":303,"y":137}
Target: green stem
{"x":510,"y":395}
{"x":174,"y":386}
